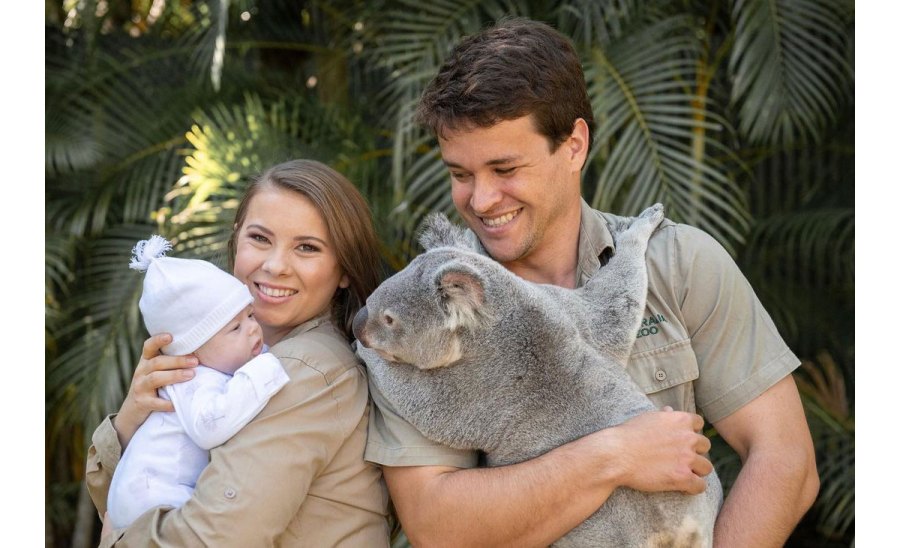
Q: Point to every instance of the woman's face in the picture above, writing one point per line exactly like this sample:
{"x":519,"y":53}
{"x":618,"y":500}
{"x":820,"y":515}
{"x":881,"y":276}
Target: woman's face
{"x":286,"y":257}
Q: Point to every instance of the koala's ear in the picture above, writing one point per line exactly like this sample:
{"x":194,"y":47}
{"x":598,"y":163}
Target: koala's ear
{"x":438,"y":231}
{"x":461,"y":290}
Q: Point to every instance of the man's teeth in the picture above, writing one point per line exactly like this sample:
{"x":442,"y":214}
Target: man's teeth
{"x":499,"y":221}
{"x":272,"y":292}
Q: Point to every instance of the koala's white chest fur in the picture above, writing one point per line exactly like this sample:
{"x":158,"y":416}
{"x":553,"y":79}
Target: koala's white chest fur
{"x":477,"y":358}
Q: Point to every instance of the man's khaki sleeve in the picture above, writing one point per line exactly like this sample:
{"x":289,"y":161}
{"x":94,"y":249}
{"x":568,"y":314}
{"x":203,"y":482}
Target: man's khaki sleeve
{"x":393,"y":441}
{"x":738,"y":348}
{"x":256,"y":482}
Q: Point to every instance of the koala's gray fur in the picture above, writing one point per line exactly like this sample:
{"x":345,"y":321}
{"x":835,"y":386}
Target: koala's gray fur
{"x":478,"y":358}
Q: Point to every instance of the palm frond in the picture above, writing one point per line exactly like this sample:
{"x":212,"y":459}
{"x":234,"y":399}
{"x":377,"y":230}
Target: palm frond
{"x":232,"y":144}
{"x":789,"y":69}
{"x":648,"y":116}
{"x":105,"y":333}
{"x":590,"y":23}
{"x":791,"y":260}
{"x":814,"y":248}
{"x":412,"y":40}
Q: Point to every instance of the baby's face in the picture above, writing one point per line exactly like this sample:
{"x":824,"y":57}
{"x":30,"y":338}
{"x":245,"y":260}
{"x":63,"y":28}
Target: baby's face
{"x":234,"y":345}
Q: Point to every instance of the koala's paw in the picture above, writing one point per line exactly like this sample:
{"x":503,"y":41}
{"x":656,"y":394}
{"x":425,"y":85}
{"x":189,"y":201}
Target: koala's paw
{"x":644,"y":224}
{"x":654,"y":214}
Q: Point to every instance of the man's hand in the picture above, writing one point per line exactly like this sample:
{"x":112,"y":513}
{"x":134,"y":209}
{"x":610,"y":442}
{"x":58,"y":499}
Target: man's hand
{"x":658,"y":451}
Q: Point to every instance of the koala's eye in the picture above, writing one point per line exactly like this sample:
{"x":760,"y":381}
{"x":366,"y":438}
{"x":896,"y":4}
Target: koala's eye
{"x":388,"y":319}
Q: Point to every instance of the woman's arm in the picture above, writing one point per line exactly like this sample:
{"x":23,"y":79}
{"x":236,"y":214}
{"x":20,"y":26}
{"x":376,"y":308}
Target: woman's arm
{"x":110,"y":438}
{"x":256,"y":482}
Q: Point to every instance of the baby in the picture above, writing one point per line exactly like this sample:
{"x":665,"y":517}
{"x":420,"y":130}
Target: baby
{"x":208,"y":313}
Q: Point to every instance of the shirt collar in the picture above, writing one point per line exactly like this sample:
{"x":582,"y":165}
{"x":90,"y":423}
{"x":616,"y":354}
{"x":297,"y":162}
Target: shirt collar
{"x":309,"y":324}
{"x":595,"y":243}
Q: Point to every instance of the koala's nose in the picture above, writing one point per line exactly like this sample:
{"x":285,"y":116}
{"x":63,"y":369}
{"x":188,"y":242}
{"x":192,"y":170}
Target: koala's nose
{"x":359,"y":324}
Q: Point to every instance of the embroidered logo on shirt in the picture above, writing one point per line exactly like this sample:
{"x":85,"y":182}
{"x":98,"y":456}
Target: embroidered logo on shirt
{"x":648,"y":325}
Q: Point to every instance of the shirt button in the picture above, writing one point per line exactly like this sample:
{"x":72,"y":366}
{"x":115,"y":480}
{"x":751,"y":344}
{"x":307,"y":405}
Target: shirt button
{"x":660,"y":375}
{"x":230,"y":493}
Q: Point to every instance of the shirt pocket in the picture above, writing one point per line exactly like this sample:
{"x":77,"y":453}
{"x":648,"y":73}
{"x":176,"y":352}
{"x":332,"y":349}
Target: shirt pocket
{"x":667,"y":374}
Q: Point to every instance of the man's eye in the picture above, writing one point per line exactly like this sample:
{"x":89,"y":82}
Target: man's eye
{"x":504,"y":170}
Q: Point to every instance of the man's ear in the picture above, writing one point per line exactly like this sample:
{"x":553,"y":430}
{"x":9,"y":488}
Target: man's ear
{"x":461,"y":290}
{"x":577,"y":144}
{"x":438,"y":231}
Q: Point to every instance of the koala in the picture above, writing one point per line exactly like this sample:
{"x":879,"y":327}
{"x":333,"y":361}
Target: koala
{"x":477,"y":358}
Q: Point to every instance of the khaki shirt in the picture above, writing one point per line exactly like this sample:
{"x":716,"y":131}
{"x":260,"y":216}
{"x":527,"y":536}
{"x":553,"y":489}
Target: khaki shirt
{"x":294,"y":476}
{"x":706,"y":344}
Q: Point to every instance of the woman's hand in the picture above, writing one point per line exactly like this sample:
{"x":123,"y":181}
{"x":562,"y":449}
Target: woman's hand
{"x":154,"y":371}
{"x":107,"y":528}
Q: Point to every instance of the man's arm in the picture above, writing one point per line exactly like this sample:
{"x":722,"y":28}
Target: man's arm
{"x":535,"y":502}
{"x":778,"y":481}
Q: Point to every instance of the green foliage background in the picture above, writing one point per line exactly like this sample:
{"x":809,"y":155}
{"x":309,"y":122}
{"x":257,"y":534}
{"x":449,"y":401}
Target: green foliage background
{"x":738,"y":115}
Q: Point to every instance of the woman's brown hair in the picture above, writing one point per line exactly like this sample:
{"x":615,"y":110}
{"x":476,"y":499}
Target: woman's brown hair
{"x":347,"y":218}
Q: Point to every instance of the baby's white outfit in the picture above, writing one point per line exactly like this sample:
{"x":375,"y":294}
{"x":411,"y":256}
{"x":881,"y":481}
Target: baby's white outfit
{"x":168,"y":452}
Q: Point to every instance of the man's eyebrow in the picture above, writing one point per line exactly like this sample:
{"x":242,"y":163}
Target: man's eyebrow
{"x":494,"y":162}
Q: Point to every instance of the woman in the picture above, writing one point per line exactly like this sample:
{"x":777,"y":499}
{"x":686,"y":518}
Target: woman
{"x":303,"y":243}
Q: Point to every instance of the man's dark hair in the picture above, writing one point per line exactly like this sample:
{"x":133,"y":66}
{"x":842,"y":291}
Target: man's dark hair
{"x":512,"y":69}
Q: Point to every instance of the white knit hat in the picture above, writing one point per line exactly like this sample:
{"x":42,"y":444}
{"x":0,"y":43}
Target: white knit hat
{"x":189,"y":298}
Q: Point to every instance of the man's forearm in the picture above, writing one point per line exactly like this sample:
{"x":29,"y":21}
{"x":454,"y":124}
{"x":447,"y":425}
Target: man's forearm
{"x":770,"y":496}
{"x":532,"y":503}
{"x":535,"y":502}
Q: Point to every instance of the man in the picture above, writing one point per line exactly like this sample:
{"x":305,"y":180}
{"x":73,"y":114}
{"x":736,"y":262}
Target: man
{"x":513,"y":120}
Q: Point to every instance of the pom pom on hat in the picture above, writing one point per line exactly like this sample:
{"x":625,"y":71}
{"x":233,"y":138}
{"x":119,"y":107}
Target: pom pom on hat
{"x":146,"y":250}
{"x":189,"y":298}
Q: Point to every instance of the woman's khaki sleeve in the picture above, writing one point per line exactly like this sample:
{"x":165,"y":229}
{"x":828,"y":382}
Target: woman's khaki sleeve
{"x":256,"y":481}
{"x":102,"y":459}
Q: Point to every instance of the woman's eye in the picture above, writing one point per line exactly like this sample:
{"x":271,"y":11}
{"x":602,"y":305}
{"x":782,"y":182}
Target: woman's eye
{"x":307,"y":248}
{"x":258,"y":238}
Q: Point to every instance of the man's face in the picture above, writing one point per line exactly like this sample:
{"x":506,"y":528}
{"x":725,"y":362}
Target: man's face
{"x":518,"y":197}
